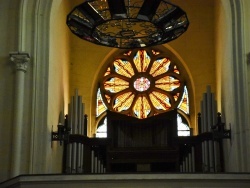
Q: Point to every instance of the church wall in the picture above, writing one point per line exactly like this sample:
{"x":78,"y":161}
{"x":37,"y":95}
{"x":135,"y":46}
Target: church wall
{"x":27,"y":28}
{"x":224,"y":71}
{"x":231,"y":57}
{"x":8,"y":42}
{"x":7,"y":74}
{"x":197,"y":49}
{"x":85,"y":59}
{"x":246,"y":5}
{"x":58,"y":86}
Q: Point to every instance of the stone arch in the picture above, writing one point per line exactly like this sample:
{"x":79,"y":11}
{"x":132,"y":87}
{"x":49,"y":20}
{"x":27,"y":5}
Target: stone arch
{"x":169,"y":52}
{"x":234,"y":95}
{"x":37,"y":14}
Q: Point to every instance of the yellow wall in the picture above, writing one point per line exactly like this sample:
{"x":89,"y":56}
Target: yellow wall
{"x":58,"y":91}
{"x":197,"y":48}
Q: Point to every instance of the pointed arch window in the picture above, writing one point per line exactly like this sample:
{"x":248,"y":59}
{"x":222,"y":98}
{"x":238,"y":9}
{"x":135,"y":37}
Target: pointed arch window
{"x":142,"y":83}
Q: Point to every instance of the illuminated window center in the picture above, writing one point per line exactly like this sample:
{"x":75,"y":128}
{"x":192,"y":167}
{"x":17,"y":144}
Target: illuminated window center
{"x":141,"y":84}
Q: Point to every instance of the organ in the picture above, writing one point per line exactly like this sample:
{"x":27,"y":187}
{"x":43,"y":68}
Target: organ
{"x":135,"y":145}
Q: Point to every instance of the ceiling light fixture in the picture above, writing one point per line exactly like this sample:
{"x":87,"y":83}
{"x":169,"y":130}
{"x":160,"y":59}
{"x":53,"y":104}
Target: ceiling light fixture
{"x":127,"y":23}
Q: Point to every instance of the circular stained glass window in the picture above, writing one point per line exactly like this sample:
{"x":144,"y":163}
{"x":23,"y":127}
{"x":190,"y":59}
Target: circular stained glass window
{"x":143,"y":83}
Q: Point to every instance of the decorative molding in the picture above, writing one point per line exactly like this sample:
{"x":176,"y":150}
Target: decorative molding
{"x":21,"y":60}
{"x":40,"y":44}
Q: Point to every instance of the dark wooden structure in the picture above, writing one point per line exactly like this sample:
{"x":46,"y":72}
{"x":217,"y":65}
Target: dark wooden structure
{"x":142,"y":144}
{"x":149,"y":145}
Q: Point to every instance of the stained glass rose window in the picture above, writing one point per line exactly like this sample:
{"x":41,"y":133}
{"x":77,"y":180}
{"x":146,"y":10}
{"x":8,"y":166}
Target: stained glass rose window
{"x":143,"y":83}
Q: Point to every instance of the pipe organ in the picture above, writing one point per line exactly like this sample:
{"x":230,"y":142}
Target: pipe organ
{"x":81,"y":155}
{"x":76,"y":124}
{"x":200,"y":153}
{"x":204,"y":152}
{"x":210,"y":152}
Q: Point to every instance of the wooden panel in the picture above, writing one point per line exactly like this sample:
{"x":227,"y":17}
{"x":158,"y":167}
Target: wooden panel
{"x":151,"y":141}
{"x":125,"y":131}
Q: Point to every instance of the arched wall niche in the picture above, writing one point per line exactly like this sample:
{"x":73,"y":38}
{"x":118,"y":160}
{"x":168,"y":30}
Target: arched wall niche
{"x":167,"y":51}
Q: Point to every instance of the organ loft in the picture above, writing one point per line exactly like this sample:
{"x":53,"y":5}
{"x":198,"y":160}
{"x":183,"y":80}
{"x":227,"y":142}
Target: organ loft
{"x":124,"y":93}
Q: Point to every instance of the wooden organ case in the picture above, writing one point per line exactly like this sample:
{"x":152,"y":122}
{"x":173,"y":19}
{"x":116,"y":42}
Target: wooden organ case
{"x":147,"y":145}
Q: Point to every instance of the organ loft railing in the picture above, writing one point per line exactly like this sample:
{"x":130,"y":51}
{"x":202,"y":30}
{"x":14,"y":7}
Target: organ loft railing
{"x":200,"y":153}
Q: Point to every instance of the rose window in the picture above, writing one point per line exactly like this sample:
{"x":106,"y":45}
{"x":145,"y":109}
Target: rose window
{"x":142,"y":84}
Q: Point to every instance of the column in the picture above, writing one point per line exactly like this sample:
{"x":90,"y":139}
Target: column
{"x":20,"y":60}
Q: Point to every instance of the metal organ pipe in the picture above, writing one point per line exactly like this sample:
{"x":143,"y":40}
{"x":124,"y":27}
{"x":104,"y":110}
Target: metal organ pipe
{"x":75,"y":151}
{"x":208,"y":115}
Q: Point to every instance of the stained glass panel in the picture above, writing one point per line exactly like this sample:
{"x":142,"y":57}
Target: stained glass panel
{"x":127,"y":53}
{"x":123,"y":101}
{"x":176,"y":96}
{"x":141,"y":60}
{"x":101,"y":131}
{"x":124,"y":68}
{"x":108,"y":98}
{"x":107,"y":72}
{"x":115,"y":85}
{"x":184,"y":104}
{"x":155,"y":52}
{"x":142,"y":107}
{"x":160,"y":66}
{"x":183,"y":128}
{"x":176,"y":70}
{"x":167,"y":83}
{"x":101,"y":107}
{"x":160,"y":101}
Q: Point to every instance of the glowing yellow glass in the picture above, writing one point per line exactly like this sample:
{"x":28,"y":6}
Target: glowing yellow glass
{"x":141,"y":60}
{"x":160,"y":101}
{"x":159,"y":67}
{"x":114,"y":85}
{"x":107,"y":72}
{"x":167,"y":83}
{"x":124,"y":68}
{"x":144,"y":86}
{"x":142,"y":107}
{"x":124,"y":101}
{"x":100,"y":104}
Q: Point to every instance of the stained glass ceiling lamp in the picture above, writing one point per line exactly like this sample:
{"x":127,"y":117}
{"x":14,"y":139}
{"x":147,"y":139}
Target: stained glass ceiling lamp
{"x":127,"y":23}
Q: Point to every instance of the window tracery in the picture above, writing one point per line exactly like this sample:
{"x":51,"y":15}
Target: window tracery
{"x":142,"y":83}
